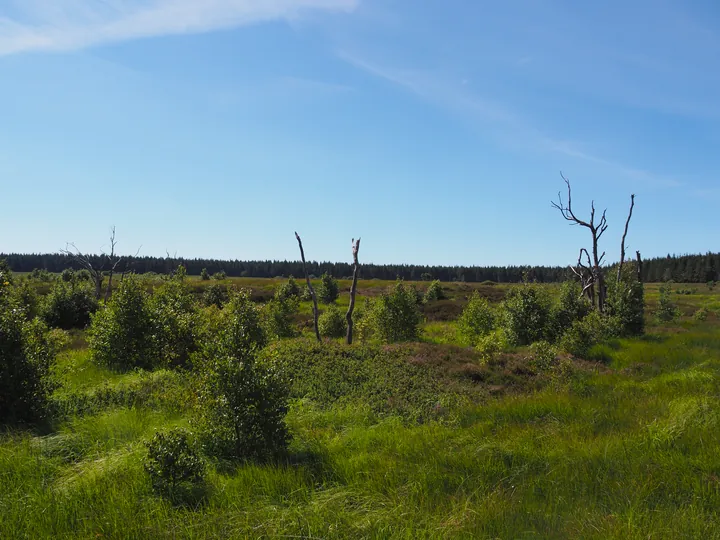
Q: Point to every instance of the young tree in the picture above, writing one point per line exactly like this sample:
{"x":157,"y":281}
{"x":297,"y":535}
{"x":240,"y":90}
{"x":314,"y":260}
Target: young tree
{"x":328,"y":291}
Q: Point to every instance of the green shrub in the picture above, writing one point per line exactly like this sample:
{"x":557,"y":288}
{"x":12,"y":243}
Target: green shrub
{"x":476,"y":321}
{"x":25,"y":296}
{"x":332,"y":323}
{"x":667,"y":311}
{"x":215,"y":295}
{"x":701,"y":314}
{"x":175,"y":468}
{"x":67,"y":275}
{"x":278,"y":315}
{"x":26,"y":355}
{"x":570,"y":306}
{"x":288,"y":289}
{"x":434,"y":292}
{"x":121,"y":336}
{"x":175,"y":321}
{"x":204,"y":275}
{"x":588,"y":332}
{"x":41,"y":274}
{"x":69,"y":305}
{"x":219,"y":276}
{"x":396,"y":316}
{"x":242,"y":401}
{"x":328,"y":289}
{"x":526,"y":314}
{"x":543,"y":355}
{"x":626,"y":302}
{"x":489,"y":345}
{"x":305,"y":295}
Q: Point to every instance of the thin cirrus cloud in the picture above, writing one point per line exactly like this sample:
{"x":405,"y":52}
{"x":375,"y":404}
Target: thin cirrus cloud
{"x":62,"y":25}
{"x":501,"y":121}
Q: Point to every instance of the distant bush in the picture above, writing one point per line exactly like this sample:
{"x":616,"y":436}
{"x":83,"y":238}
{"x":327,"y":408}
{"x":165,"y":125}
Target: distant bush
{"x":701,"y":314}
{"x":67,"y":275}
{"x":544,"y":355}
{"x":588,"y":332}
{"x":711,"y":284}
{"x":175,"y":467}
{"x":288,"y":289}
{"x":305,"y":295}
{"x":626,"y":302}
{"x":26,"y":355}
{"x":332,"y":323}
{"x":328,"y":289}
{"x":41,"y":274}
{"x":215,"y":295}
{"x":243,"y":401}
{"x":204,"y":275}
{"x":121,"y":335}
{"x":477,"y":320}
{"x":489,"y":345}
{"x":526,"y":314}
{"x":69,"y":305}
{"x":571,"y":305}
{"x":278,"y":315}
{"x":667,"y":311}
{"x":395,"y":315}
{"x":434,"y":292}
{"x":221,"y":275}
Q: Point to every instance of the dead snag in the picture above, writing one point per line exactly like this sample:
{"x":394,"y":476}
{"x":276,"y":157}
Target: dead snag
{"x":622,"y":242}
{"x":85,"y":261}
{"x":639,"y":267}
{"x":310,"y":287}
{"x":113,"y":263}
{"x":353,"y":290}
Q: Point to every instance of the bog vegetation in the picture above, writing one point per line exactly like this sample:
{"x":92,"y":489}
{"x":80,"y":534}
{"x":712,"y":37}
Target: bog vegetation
{"x":186,"y":406}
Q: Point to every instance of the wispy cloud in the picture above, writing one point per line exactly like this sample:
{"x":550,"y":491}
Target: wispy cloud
{"x":60,"y":25}
{"x":497,"y":118}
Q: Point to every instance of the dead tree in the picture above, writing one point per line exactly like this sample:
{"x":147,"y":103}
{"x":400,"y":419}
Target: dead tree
{"x":113,"y":263}
{"x":353,"y":290}
{"x":622,"y":242}
{"x":639,"y":267}
{"x":96,"y":271}
{"x":597,"y":279}
{"x":310,"y":287}
{"x":584,"y":272}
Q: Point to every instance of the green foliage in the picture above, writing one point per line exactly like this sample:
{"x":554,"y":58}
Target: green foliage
{"x":26,"y":355}
{"x":69,"y":305}
{"x":395,"y":315}
{"x":288,"y":289}
{"x":489,"y":345}
{"x":220,"y":275}
{"x":243,"y":402}
{"x":175,"y":468}
{"x":279,"y":313}
{"x":425,"y":276}
{"x":24,"y":295}
{"x":588,"y":332}
{"x":332,"y":323}
{"x":476,"y":321}
{"x":701,"y":314}
{"x":305,"y":295}
{"x":526,"y":314}
{"x":67,"y":275}
{"x":667,"y":311}
{"x":544,"y":355}
{"x":711,"y":285}
{"x":121,"y":336}
{"x":328,"y":289}
{"x":175,"y":322}
{"x":41,"y":274}
{"x":626,"y":302}
{"x":204,"y":275}
{"x":570,"y":306}
{"x":434,"y":292}
{"x":215,"y":295}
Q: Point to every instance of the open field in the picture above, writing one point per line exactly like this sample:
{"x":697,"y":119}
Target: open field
{"x":415,"y":440}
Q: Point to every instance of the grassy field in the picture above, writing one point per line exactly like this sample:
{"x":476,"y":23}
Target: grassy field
{"x":443,"y":446}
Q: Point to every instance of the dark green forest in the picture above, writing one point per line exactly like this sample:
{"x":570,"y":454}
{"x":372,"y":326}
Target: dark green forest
{"x":680,"y":268}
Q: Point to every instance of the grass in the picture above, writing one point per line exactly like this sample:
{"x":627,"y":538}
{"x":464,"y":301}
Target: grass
{"x":623,"y":449}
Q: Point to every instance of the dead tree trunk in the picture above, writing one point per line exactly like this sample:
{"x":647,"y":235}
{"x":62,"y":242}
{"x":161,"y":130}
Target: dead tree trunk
{"x":113,"y":264}
{"x":622,"y":242}
{"x":310,"y":287}
{"x":353,"y":290}
{"x":639,"y":267}
{"x":596,"y":230}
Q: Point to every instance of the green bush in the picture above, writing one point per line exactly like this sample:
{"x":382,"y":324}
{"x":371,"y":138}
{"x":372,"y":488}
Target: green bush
{"x":26,"y":355}
{"x":242,"y":401}
{"x":476,"y":321}
{"x":588,"y":332}
{"x":288,"y":289}
{"x":204,"y":275}
{"x":332,"y":323}
{"x":395,"y":315}
{"x":67,"y":275}
{"x":701,"y":314}
{"x":626,"y":302}
{"x":489,"y":345}
{"x":175,"y":468}
{"x":305,"y":295}
{"x":543,"y":355}
{"x":219,"y":276}
{"x":667,"y":311}
{"x":121,"y":336}
{"x":570,"y":306}
{"x":215,"y":295}
{"x":526,"y":314}
{"x":41,"y":274}
{"x":328,"y":289}
{"x":434,"y":292}
{"x":69,"y":305}
{"x":278,"y":315}
{"x":175,"y":322}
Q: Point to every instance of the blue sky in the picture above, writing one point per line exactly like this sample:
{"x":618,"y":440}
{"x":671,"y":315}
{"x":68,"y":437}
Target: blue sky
{"x":436,"y":131}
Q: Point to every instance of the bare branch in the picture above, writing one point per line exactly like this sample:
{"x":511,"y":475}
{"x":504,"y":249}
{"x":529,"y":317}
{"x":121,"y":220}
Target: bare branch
{"x":622,"y":242}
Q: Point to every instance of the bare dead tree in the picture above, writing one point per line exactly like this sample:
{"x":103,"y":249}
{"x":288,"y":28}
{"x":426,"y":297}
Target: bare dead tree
{"x":622,"y":242}
{"x":584,"y":272}
{"x":84,"y":260}
{"x":353,"y":290}
{"x":310,"y":288}
{"x":113,"y":263}
{"x":596,"y":230}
